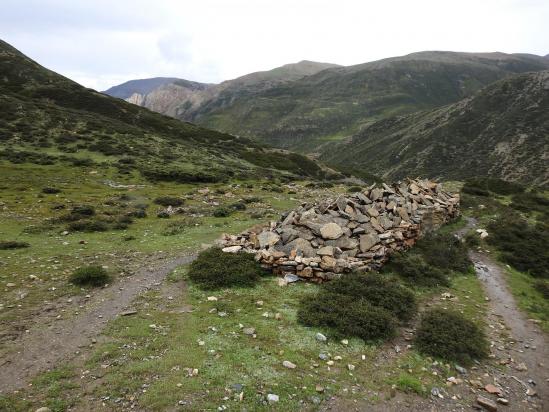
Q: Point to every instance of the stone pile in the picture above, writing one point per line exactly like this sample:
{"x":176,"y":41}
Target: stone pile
{"x":357,"y":231}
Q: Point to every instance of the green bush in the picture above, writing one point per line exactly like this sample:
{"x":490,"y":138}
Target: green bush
{"x":449,"y":335}
{"x":88,"y":226}
{"x":50,"y":190}
{"x":83,"y":210}
{"x":90,"y":276}
{"x":214,"y":269}
{"x":222,"y":211}
{"x":472,"y":239}
{"x":522,"y":245}
{"x":542,"y":286}
{"x":377,"y":290}
{"x":444,"y":251}
{"x":169,"y":201}
{"x":483,"y":187}
{"x":180,"y":226}
{"x":354,"y":189}
{"x":12,"y":244}
{"x":347,"y":316}
{"x":238,"y":206}
{"x":413,"y":269}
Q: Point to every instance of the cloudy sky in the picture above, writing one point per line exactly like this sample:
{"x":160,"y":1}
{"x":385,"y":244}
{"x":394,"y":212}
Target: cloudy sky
{"x":100,"y":43}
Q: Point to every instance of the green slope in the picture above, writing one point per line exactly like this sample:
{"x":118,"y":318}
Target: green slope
{"x":336,"y":102}
{"x":502,"y":131}
{"x":46,"y":118}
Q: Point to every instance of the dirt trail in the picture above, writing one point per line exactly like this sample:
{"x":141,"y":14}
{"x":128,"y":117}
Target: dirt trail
{"x":44,"y":348}
{"x":527,"y":343}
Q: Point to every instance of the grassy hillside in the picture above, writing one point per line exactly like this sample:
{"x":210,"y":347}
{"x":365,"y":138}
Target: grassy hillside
{"x":48,"y":119}
{"x":502,"y":131}
{"x":337,"y":102}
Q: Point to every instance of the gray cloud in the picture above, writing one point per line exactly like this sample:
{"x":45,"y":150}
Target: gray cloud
{"x":100,"y":43}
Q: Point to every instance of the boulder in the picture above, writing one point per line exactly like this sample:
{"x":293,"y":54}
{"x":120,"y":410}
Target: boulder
{"x":331,"y":231}
{"x":299,"y":245}
{"x":368,"y":241}
{"x":267,"y":239}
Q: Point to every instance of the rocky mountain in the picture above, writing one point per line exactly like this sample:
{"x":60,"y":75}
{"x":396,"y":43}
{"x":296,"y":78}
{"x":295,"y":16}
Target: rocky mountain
{"x":184,"y":99}
{"x":501,"y":131}
{"x":140,"y":86}
{"x":48,"y":119}
{"x":291,"y":107}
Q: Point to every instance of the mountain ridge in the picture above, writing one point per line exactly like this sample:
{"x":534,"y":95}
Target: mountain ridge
{"x":500,"y":131}
{"x":48,"y":119}
{"x":336,"y":102}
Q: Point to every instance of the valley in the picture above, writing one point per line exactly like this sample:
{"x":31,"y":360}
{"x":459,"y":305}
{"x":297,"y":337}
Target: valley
{"x":315,"y":237}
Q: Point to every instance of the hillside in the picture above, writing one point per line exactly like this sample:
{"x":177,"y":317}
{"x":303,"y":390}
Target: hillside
{"x":501,"y":131}
{"x":46,"y":119}
{"x":331,"y":104}
{"x":185,"y":99}
{"x":140,"y":86}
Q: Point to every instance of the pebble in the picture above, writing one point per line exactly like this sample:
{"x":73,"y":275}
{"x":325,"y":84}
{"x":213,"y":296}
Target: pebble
{"x":212,"y":299}
{"x":43,"y":409}
{"x":272,"y":398}
{"x":249,"y":331}
{"x":319,"y":388}
{"x":503,"y":401}
{"x":521,"y":367}
{"x":320,"y":337}
{"x":288,"y":364}
{"x":351,"y":367}
{"x":323,"y":356}
{"x":487,"y":404}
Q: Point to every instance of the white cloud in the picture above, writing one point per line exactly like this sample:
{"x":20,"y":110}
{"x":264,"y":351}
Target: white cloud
{"x":101,"y":43}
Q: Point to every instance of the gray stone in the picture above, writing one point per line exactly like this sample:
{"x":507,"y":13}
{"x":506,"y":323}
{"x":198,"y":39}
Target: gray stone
{"x":325,"y":251}
{"x":289,"y":365}
{"x":300,"y":245}
{"x":272,"y":398}
{"x":487,"y":404}
{"x":331,"y":231}
{"x":291,"y":278}
{"x":267,"y":239}
{"x":368,"y":241}
{"x":320,"y":337}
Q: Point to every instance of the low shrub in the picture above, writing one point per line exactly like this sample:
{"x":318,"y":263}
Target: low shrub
{"x":483,"y":187}
{"x":450,"y":336}
{"x":542,"y":286}
{"x":522,"y":245}
{"x":347,"y":316}
{"x":90,"y":276}
{"x":50,"y":190}
{"x":83,"y":210}
{"x":444,"y":251}
{"x":88,"y":226}
{"x":12,"y":244}
{"x":222,"y":211}
{"x":413,"y":269}
{"x":472,"y":239}
{"x":169,"y":201}
{"x":377,"y":290}
{"x":138,"y":213}
{"x":163,"y":215}
{"x":214,"y":269}
{"x":238,"y":206}
{"x":354,"y":189}
{"x":180,"y":226}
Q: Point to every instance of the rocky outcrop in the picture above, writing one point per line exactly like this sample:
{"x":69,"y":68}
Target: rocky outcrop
{"x":354,"y":232}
